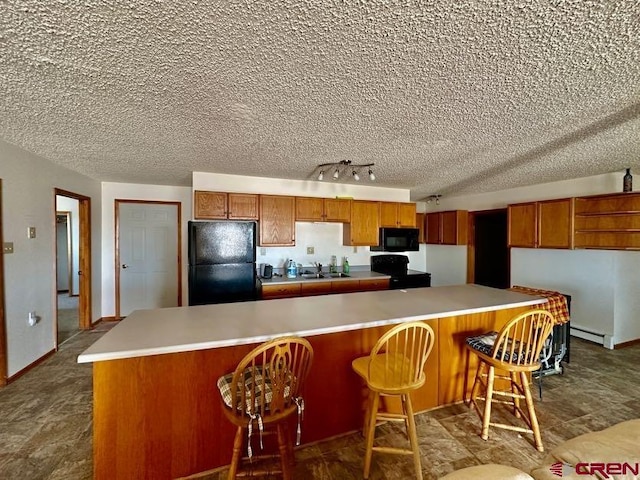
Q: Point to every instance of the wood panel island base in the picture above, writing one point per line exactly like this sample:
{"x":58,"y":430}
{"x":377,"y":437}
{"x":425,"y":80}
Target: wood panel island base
{"x":157,"y":412}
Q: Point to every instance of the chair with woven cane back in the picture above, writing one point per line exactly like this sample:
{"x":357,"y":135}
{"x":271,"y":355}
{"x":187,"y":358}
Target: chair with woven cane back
{"x":516,"y":351}
{"x":262,"y":394}
{"x":395,"y":367}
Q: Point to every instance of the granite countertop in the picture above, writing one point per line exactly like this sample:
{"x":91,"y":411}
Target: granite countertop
{"x":183,"y":329}
{"x":353,"y":275}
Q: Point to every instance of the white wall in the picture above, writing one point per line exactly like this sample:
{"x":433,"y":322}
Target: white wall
{"x":326,"y":238}
{"x":66,"y":204}
{"x":603,"y":284}
{"x":447,"y":264}
{"x":627,"y":296}
{"x":132,"y":191}
{"x":218,"y":182}
{"x":28,"y":200}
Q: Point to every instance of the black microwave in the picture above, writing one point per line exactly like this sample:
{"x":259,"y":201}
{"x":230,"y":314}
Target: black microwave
{"x":397,"y":240}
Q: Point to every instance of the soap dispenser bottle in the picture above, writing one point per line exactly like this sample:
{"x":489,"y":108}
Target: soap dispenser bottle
{"x":345,"y":266}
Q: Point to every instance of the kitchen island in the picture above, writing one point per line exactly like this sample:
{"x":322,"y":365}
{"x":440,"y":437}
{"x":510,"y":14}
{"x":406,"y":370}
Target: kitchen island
{"x":157,"y":412}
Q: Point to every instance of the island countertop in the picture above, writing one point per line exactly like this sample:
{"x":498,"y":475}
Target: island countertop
{"x":182,"y":329}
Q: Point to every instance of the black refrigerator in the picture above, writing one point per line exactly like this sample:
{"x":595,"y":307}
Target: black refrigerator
{"x":222,"y":262}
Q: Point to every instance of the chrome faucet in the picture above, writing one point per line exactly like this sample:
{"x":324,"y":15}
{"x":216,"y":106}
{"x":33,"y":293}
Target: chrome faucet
{"x":318,"y":267}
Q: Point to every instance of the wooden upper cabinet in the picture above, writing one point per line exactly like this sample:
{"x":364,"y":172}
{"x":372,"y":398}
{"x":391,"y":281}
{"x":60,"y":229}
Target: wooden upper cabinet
{"x":432,"y":227}
{"x":309,"y":209}
{"x":454,"y":227}
{"x":523,"y":225}
{"x":407,"y":215}
{"x":447,"y":228}
{"x":313,"y":209}
{"x":209,"y":205}
{"x":277,"y":220}
{"x":394,"y":214}
{"x":544,"y":224}
{"x":365,"y":224}
{"x":242,"y":206}
{"x":608,"y":221}
{"x":420,"y":225}
{"x":337,"y":210}
{"x":555,"y":223}
{"x":221,"y":206}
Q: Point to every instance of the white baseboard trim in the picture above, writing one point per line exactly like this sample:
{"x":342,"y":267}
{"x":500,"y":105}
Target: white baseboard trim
{"x":595,"y":337}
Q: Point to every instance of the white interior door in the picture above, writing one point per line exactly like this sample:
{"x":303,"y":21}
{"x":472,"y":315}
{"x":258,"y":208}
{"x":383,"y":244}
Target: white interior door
{"x":148,"y":253}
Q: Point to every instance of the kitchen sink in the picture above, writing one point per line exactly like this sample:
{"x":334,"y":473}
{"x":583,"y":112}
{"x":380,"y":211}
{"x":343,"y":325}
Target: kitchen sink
{"x":313,"y":275}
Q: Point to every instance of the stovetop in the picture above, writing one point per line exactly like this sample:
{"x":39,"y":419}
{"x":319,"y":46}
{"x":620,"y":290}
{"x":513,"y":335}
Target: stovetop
{"x":394,"y":265}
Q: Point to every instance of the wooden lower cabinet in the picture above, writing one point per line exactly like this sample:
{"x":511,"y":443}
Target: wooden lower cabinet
{"x":284,"y":290}
{"x":345,"y":286}
{"x":315,"y":288}
{"x":308,"y":289}
{"x":160,"y":416}
{"x":374,"y":284}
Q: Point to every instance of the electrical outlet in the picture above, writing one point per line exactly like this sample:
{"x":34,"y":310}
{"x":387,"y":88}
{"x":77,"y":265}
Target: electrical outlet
{"x":7,"y":247}
{"x":310,"y":250}
{"x":355,"y":249}
{"x":263,"y":251}
{"x":31,"y":232}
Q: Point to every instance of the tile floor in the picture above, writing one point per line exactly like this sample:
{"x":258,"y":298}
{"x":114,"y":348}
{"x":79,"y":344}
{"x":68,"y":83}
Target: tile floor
{"x":45,"y":421}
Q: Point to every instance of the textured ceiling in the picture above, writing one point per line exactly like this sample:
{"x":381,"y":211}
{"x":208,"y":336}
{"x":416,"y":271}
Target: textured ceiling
{"x":445,"y":97}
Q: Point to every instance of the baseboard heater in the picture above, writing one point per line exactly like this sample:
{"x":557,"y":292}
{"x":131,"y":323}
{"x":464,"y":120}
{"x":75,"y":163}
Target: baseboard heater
{"x":590,"y":335}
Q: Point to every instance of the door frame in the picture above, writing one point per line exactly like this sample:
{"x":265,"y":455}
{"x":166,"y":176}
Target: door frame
{"x":84,"y":258}
{"x":67,"y":214}
{"x":3,"y":331}
{"x":118,"y":202}
{"x":471,"y":244}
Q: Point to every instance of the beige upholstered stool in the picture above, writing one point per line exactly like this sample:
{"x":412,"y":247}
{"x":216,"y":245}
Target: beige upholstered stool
{"x":261,"y":395}
{"x":395,"y":367}
{"x":516,"y":351}
{"x":488,"y":472}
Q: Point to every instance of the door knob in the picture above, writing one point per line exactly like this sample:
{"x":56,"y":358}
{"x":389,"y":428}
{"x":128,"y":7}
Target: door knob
{"x":124,"y":265}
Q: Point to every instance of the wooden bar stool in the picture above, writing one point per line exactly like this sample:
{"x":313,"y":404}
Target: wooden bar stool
{"x":262,"y":394}
{"x":516,"y":351}
{"x":395,"y":367}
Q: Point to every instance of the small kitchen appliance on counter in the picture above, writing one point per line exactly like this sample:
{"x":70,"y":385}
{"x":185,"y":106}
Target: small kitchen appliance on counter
{"x":401,"y":276}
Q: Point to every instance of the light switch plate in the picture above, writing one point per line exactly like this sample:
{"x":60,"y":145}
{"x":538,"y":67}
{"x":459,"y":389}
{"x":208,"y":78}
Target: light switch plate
{"x":310,"y":250}
{"x":263,"y":251}
{"x":7,"y":247}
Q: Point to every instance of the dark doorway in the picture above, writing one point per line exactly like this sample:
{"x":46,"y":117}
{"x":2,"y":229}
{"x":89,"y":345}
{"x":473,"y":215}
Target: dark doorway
{"x":491,"y":250}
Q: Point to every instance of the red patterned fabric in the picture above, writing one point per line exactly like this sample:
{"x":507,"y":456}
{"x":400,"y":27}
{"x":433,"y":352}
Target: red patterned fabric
{"x":556,"y":302}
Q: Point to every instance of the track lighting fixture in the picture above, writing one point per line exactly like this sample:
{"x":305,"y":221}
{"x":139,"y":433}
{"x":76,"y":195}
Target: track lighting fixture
{"x":431,"y":198}
{"x":343,"y":166}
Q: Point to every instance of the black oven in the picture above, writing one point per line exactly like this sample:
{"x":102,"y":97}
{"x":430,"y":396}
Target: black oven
{"x":397,"y":240}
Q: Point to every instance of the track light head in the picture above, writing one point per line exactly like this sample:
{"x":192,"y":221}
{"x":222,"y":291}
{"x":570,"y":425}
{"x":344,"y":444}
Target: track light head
{"x":356,"y":177}
{"x":336,"y":174}
{"x":372,"y":177}
{"x":321,"y":176}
